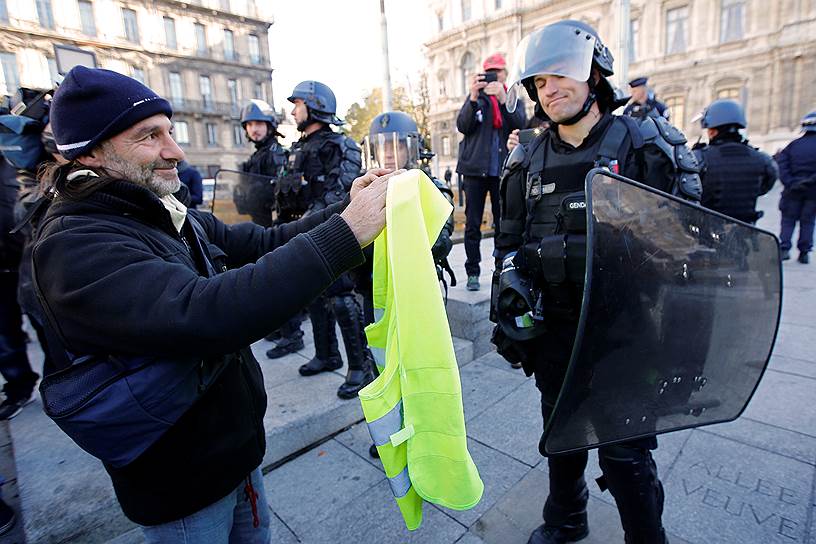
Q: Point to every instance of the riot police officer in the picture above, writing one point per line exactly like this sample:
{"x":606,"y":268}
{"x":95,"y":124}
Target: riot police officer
{"x":733,"y":173}
{"x":260,"y":124}
{"x":321,"y":168}
{"x":563,"y":68}
{"x":258,"y":197}
{"x":394,"y":142}
{"x":797,"y":170}
{"x":644,"y":104}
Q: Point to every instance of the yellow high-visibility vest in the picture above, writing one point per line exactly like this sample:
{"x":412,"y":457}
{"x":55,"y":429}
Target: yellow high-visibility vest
{"x":414,"y":408}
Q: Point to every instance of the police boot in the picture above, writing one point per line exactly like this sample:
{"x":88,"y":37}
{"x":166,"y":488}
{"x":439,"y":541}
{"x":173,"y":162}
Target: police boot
{"x":285,"y":347}
{"x":565,"y":517}
{"x":631,"y":475}
{"x":574,"y":529}
{"x":785,"y":255}
{"x":803,"y":257}
{"x":327,"y":356}
{"x":350,"y":318}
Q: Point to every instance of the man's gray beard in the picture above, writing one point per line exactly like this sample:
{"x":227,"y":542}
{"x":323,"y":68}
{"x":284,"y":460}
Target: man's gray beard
{"x":140,"y":174}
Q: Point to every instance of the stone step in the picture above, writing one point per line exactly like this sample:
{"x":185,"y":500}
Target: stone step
{"x":66,"y":495}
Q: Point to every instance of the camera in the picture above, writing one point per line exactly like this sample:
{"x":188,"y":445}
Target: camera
{"x":527,"y":135}
{"x":489,"y":77}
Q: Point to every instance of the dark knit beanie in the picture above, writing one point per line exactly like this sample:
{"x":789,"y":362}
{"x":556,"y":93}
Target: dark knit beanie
{"x":92,"y":105}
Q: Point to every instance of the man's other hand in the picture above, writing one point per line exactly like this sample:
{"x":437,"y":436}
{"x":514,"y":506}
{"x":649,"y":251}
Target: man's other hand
{"x":512,"y":140}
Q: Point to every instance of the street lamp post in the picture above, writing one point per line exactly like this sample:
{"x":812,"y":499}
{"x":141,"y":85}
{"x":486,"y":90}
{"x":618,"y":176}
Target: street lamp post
{"x":386,"y":64}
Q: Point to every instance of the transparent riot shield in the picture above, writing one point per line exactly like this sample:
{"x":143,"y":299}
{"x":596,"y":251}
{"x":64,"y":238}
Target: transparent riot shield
{"x":239,"y":196}
{"x":680,"y":313}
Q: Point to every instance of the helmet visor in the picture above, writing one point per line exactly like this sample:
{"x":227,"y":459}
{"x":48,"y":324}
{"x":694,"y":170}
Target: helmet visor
{"x":391,"y":150}
{"x":558,"y":50}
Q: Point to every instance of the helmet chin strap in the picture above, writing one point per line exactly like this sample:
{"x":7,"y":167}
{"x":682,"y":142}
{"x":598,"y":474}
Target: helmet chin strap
{"x":590,"y":99}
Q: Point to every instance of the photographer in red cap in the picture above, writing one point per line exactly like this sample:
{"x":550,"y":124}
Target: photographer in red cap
{"x":486,"y":123}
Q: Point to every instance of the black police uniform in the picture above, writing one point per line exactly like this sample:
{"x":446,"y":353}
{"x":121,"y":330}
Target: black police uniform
{"x":797,"y":171}
{"x":329,"y":162}
{"x":269,"y":159}
{"x":652,"y":108}
{"x":652,"y":152}
{"x":734,"y":174}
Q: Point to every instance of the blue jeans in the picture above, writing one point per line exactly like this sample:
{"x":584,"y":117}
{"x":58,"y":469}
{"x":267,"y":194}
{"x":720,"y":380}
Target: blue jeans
{"x":227,"y":521}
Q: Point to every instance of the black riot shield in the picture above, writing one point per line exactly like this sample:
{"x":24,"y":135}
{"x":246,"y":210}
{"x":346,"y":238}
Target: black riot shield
{"x":679,"y":316}
{"x":240,"y":196}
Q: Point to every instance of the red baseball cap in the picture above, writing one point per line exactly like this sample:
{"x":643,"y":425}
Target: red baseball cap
{"x":495,"y":62}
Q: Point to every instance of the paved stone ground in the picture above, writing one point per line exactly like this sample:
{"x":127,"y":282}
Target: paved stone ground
{"x":747,"y":481}
{"x":751,"y":481}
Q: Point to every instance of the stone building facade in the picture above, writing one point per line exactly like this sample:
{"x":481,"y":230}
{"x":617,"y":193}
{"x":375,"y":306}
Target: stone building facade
{"x":206,"y":56}
{"x":760,"y":53}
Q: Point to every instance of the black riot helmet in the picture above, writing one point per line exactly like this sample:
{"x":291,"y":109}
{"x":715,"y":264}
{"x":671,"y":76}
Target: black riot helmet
{"x":568,"y":49}
{"x":722,"y":113}
{"x":516,"y":303}
{"x":319,"y":100}
{"x":393,"y":141}
{"x":258,"y":110}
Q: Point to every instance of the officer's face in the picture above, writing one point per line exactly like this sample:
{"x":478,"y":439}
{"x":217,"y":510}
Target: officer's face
{"x":639,"y":93}
{"x":388,"y":159}
{"x":144,"y":154}
{"x":299,"y":111}
{"x":560,"y":97}
{"x":256,"y":130}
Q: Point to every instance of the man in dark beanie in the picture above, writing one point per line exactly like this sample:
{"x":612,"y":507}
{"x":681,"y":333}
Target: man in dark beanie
{"x":152,"y":306}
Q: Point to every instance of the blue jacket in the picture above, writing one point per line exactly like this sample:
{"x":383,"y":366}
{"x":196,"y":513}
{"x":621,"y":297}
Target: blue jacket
{"x":475,"y":121}
{"x":190,"y":177}
{"x":797,"y":163}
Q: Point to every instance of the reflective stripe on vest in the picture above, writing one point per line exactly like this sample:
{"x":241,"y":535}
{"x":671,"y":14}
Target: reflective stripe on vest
{"x":414,"y":407}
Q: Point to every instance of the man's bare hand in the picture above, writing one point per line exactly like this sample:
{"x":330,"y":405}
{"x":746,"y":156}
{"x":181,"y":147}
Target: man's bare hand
{"x":512,"y":140}
{"x":365,"y":180}
{"x":497,"y":89}
{"x":476,"y":85}
{"x":365,"y":215}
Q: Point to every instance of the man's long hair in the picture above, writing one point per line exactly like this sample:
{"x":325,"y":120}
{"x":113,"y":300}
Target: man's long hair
{"x":54,"y":180}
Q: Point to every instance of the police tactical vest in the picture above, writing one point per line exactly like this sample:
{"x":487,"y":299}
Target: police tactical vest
{"x":732,"y":175}
{"x":414,"y":407}
{"x":534,"y":206}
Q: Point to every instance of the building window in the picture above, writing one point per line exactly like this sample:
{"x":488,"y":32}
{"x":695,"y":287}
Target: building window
{"x":225,"y":5}
{"x":730,"y":93}
{"x":229,"y":45}
{"x":170,"y":33}
{"x":446,"y":149}
{"x":131,"y":25}
{"x":212,"y":134}
{"x":138,"y":74}
{"x":443,"y":90}
{"x":176,"y":89}
{"x":634,"y":32}
{"x":205,"y":86}
{"x":440,"y":22}
{"x":465,"y":10}
{"x":45,"y":14}
{"x":201,"y":39}
{"x":237,"y":135}
{"x":3,"y":12}
{"x":677,"y":109}
{"x":465,"y":71}
{"x":86,"y":18}
{"x":732,"y":24}
{"x":181,"y":132}
{"x":254,"y":49}
{"x":676,"y":30}
{"x":259,"y":91}
{"x":497,"y":4}
{"x":10,"y":81}
{"x":232,"y":91}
